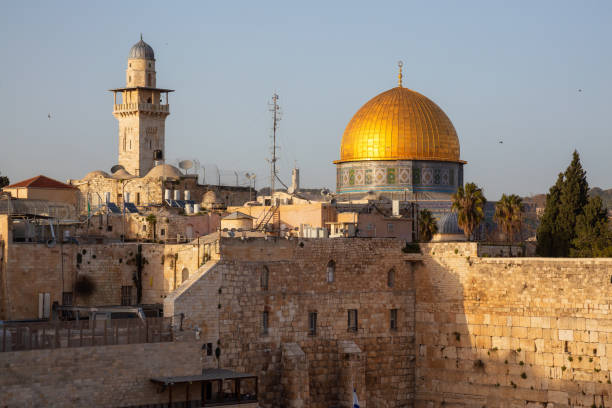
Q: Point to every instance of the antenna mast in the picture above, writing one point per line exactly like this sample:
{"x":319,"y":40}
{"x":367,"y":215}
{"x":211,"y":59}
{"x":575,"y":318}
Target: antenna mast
{"x":275,"y":109}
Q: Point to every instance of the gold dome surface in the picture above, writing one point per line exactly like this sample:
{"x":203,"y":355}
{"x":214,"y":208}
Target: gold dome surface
{"x":400,"y":124}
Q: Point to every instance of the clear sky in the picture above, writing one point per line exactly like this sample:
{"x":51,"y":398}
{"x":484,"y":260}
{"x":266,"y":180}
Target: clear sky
{"x":506,"y":71}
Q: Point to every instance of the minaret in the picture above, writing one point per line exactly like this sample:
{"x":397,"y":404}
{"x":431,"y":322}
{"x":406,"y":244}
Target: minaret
{"x":141,"y":113}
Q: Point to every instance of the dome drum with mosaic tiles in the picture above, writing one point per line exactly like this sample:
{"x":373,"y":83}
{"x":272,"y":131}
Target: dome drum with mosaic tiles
{"x":399,"y":141}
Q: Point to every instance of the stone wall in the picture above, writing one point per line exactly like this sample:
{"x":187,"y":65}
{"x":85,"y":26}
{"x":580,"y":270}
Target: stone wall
{"x":228,"y":301}
{"x":509,"y":332}
{"x":169,"y":227}
{"x":103,"y":376}
{"x":146,"y":191}
{"x":29,"y":269}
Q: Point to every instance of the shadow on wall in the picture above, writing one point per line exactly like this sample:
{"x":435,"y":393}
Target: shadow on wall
{"x":445,"y":353}
{"x":502,"y":332}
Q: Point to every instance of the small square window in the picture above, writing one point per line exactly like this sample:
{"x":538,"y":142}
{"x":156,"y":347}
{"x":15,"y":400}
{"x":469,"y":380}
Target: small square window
{"x":390,"y":227}
{"x":352,"y":320}
{"x":162,"y":232}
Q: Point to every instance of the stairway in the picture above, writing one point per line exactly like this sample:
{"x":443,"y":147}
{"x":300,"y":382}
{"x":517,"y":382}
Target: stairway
{"x":267,"y":216}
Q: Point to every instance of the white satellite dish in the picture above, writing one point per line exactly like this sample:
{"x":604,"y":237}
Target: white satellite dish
{"x":185,"y":164}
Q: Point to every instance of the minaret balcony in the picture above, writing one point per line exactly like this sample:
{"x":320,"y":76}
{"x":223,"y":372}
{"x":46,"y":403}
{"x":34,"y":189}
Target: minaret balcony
{"x":141,"y":107}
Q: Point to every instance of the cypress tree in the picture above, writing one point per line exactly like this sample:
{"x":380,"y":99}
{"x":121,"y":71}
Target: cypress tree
{"x":574,"y":197}
{"x":546,"y":234}
{"x":593,"y":236}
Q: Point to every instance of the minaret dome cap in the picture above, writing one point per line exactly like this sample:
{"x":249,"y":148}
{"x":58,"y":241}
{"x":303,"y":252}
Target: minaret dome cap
{"x":142,"y":50}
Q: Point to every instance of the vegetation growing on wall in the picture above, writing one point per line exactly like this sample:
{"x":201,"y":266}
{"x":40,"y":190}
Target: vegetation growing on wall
{"x":139,"y":261}
{"x":84,"y":286}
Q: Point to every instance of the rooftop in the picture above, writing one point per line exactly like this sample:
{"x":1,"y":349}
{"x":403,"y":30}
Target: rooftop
{"x":40,"y":182}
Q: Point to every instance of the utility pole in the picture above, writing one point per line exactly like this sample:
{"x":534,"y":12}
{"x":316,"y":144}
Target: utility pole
{"x":275,"y":109}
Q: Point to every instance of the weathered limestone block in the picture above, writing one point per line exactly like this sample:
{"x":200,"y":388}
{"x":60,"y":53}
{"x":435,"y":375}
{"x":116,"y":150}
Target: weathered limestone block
{"x":352,"y":374}
{"x":294,"y":376}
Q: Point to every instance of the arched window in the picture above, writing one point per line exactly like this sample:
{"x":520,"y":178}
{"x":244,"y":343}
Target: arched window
{"x":149,"y":80}
{"x":265,"y":277}
{"x":391,"y":278}
{"x":185,"y":275}
{"x":331,"y":271}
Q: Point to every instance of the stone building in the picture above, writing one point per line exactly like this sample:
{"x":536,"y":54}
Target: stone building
{"x":141,"y":112}
{"x":44,"y":188}
{"x":141,"y":176}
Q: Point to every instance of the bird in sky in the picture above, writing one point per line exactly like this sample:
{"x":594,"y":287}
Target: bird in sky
{"x":501,"y":142}
{"x":580,"y":90}
{"x":49,"y":116}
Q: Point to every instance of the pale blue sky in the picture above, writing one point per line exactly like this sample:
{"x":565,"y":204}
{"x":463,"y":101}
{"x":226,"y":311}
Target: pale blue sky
{"x":506,"y":71}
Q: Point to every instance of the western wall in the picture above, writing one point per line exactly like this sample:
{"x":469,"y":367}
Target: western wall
{"x":472,"y":331}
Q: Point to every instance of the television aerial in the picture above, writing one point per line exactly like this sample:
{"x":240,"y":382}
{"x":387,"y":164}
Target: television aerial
{"x":185,"y":165}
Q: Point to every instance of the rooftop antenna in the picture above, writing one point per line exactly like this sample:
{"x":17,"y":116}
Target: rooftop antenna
{"x":275,"y":109}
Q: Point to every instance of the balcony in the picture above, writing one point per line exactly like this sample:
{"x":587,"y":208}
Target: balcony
{"x":141,"y":107}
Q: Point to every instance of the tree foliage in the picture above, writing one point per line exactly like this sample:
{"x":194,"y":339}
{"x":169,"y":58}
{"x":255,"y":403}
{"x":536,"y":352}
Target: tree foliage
{"x":573,"y":224}
{"x":4,"y":181}
{"x":428,"y":226}
{"x":509,"y":214}
{"x":468,"y":203}
{"x":593,"y":236}
{"x":574,"y":197}
{"x":547,"y":231}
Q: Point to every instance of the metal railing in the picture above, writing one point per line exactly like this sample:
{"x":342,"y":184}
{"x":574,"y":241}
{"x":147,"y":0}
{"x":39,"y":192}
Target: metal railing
{"x":20,"y":336}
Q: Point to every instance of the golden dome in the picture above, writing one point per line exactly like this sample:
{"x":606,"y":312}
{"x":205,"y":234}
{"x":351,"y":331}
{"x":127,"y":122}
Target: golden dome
{"x":400,"y":124}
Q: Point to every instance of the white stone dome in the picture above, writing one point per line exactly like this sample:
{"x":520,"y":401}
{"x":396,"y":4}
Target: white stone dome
{"x":96,"y":174}
{"x":164,"y":171}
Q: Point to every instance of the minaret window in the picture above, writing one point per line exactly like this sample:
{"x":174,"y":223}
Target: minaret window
{"x":149,"y":80}
{"x":130,"y":79}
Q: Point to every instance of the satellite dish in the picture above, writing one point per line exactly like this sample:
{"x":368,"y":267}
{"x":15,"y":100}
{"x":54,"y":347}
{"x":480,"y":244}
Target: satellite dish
{"x":186,"y":164}
{"x":116,"y":168}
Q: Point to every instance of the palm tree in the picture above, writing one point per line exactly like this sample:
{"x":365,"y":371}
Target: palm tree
{"x":428,"y":226}
{"x":468,"y":203}
{"x":508,"y":214}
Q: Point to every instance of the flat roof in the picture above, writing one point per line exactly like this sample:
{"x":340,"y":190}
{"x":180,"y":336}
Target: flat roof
{"x":208,"y":374}
{"x":146,"y":88}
